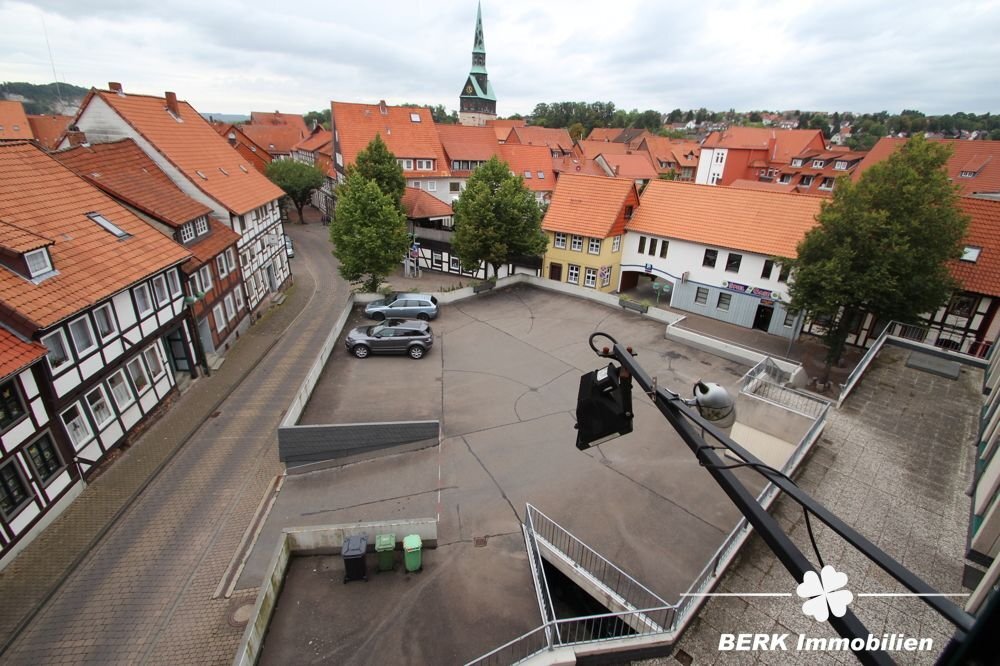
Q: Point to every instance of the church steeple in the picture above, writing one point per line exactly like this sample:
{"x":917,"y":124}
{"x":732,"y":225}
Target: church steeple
{"x":477,"y":103}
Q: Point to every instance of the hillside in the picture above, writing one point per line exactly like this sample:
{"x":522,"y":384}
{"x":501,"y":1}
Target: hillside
{"x":44,"y":98}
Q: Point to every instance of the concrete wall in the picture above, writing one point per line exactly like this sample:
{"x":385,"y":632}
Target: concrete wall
{"x":313,"y":443}
{"x":323,"y":540}
{"x":725,"y":349}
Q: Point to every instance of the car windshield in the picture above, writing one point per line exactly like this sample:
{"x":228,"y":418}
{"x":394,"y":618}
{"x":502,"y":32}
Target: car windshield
{"x":376,"y":329}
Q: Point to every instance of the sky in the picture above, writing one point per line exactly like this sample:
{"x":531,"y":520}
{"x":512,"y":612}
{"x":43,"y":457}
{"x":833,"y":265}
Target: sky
{"x":227,"y":56}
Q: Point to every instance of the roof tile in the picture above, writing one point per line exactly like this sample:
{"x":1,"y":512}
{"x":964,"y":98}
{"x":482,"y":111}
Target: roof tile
{"x":983,"y":276}
{"x":357,"y":125}
{"x":16,"y":354}
{"x":13,"y":123}
{"x":587,"y":205}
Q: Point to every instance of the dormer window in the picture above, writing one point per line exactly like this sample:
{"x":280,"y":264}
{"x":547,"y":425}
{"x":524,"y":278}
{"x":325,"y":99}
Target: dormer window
{"x":818,"y":164}
{"x":971,"y":253}
{"x":425,"y":165}
{"x":840,"y":165}
{"x":967,"y":174}
{"x":797,"y":162}
{"x":108,"y":225}
{"x":187,"y":233}
{"x":38,"y":262}
{"x":201,"y":226}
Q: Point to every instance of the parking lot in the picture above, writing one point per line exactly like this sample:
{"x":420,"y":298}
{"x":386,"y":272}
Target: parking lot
{"x":502,"y":377}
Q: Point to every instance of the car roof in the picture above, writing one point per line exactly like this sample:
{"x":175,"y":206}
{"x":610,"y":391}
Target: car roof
{"x":404,"y":323}
{"x":413,"y":295}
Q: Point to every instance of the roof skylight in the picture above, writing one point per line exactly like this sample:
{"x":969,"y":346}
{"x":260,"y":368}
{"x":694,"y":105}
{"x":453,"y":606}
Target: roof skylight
{"x":108,"y":225}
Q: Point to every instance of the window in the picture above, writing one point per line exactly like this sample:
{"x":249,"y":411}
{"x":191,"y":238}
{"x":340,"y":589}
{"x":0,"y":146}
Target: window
{"x":454,"y":264}
{"x":415,"y":183}
{"x":406,"y":164}
{"x":38,"y":262}
{"x":790,"y":318}
{"x":76,"y":427}
{"x":616,"y":243}
{"x":840,"y":165}
{"x":11,"y":407}
{"x":715,"y":178}
{"x":456,"y":166}
{"x":205,"y":276}
{"x":527,"y":175}
{"x":138,"y":375}
{"x":733,"y":262}
{"x":152,"y":355}
{"x":120,"y":390}
{"x":230,"y":260}
{"x":628,"y":212}
{"x":652,"y":247}
{"x":424,"y":165}
{"x":107,"y":225}
{"x":590,"y":277}
{"x":432,"y":186}
{"x":768,"y":267}
{"x":415,"y":117}
{"x":785,"y":179}
{"x":142,"y":299}
{"x":967,"y":174}
{"x":160,"y":290}
{"x":44,"y":458}
{"x":724,"y":301}
{"x":220,"y":320}
{"x":220,"y":265}
{"x":577,"y":244}
{"x":701,"y":296}
{"x":83,"y":336}
{"x":806,"y":181}
{"x":559,"y":240}
{"x":710,"y":257}
{"x":99,"y":408}
{"x":230,"y":307}
{"x":239,"y":298}
{"x":436,"y":259}
{"x":797,"y":162}
{"x":573,"y":274}
{"x":13,"y":491}
{"x":541,"y":175}
{"x":663,"y":249}
{"x":174,"y":283}
{"x":826,"y":183}
{"x":783,"y":274}
{"x":818,"y":164}
{"x":454,"y":187}
{"x":962,"y":306}
{"x":201,"y":226}
{"x":971,"y":253}
{"x":56,"y":344}
{"x":594,"y":246}
{"x":642,"y":244}
{"x":719,"y":156}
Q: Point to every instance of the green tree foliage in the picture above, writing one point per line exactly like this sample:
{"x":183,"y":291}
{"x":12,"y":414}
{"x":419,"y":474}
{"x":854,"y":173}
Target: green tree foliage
{"x":376,"y":162}
{"x":675,"y":116}
{"x":649,"y":119}
{"x":576,"y":131}
{"x":368,"y":231}
{"x":321,"y":117}
{"x":439,"y":114}
{"x":297,"y":179}
{"x":46,"y":98}
{"x":882,"y":245}
{"x":496,"y":218}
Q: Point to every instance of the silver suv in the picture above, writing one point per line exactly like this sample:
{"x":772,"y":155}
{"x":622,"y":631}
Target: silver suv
{"x":421,"y":306}
{"x":393,"y":336}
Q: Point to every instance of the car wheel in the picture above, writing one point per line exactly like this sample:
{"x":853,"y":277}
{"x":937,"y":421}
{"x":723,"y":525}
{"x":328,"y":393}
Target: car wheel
{"x":361,"y":351}
{"x":416,"y":351}
{"x":423,"y":316}
{"x":378,"y":316}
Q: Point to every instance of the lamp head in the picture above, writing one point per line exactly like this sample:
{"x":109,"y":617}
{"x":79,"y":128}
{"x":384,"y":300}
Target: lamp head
{"x":715,"y":404}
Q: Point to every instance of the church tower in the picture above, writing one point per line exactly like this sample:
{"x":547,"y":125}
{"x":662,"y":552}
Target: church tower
{"x":477,"y":103}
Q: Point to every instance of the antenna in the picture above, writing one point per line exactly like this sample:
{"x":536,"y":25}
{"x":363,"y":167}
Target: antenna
{"x":52,"y":61}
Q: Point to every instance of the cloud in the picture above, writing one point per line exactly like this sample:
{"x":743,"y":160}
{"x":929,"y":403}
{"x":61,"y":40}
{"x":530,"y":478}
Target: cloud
{"x":228,"y":56}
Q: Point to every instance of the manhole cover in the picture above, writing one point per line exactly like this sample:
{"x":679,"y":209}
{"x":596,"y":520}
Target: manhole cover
{"x":241,"y":615}
{"x":479,"y":542}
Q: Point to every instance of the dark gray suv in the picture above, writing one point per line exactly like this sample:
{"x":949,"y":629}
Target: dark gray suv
{"x":393,"y":336}
{"x":421,"y":306}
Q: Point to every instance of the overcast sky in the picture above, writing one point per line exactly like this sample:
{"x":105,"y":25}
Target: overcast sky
{"x":236,"y":56}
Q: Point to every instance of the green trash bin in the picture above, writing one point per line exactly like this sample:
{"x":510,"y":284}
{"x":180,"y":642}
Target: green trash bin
{"x":411,"y":552}
{"x":385,"y":547}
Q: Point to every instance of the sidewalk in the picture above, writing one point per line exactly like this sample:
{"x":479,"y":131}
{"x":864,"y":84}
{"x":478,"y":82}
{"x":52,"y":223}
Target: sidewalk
{"x":39,"y":570}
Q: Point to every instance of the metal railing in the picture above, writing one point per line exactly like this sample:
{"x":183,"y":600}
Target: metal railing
{"x":766,"y":381}
{"x":629,"y":592}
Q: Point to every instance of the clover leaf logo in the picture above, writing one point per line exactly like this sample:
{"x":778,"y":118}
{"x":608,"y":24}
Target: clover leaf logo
{"x":823,"y":593}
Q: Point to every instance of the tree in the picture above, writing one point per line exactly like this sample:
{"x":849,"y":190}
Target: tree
{"x":882,"y":245}
{"x":496,"y":218}
{"x":576,"y":131}
{"x":368,"y":231}
{"x":649,"y":119}
{"x":376,"y":162}
{"x":297,"y":179}
{"x":321,"y":117}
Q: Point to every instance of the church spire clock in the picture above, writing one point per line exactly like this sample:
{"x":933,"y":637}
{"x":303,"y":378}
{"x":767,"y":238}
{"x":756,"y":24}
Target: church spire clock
{"x":477,"y":103}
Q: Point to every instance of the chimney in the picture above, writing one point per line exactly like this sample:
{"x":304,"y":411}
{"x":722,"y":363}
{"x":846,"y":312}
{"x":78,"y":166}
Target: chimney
{"x":75,"y":137}
{"x":172,"y":104}
{"x":617,"y":166}
{"x":232,"y":138}
{"x":115,"y":87}
{"x":382,"y":108}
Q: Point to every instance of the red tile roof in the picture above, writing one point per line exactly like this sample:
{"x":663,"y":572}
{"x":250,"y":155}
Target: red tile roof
{"x":125,"y":172}
{"x":244,"y":145}
{"x":315,"y":141}
{"x":591,"y":149}
{"x":19,"y":240}
{"x":768,"y":223}
{"x":219,"y":238}
{"x":681,"y":153}
{"x":419,"y":204}
{"x":604,"y":133}
{"x":48,"y":130}
{"x":588,"y":205}
{"x":275,"y":139}
{"x":763,"y":186}
{"x":983,"y":276}
{"x":535,"y":159}
{"x":554,"y":138}
{"x":966,"y":156}
{"x":502,"y":122}
{"x":197,"y":150}
{"x":278,"y":118}
{"x":39,"y":194}
{"x":16,"y":354}
{"x":461,"y":142}
{"x":787,"y":143}
{"x":636,"y":166}
{"x":357,"y":125}
{"x":13,"y":123}
{"x":571,"y":164}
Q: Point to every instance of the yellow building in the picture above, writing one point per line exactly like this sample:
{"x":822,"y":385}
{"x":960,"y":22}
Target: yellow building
{"x":584,"y":224}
